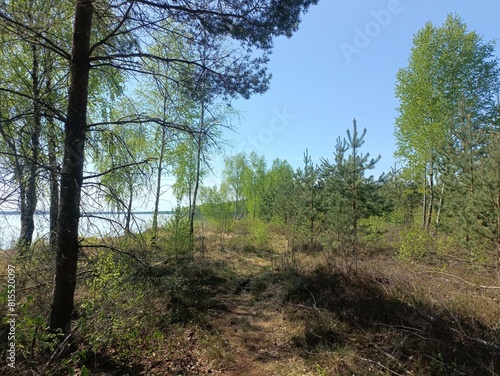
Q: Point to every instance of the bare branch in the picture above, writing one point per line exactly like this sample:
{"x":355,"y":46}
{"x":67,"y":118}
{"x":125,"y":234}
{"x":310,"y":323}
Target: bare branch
{"x":116,"y":168}
{"x":114,"y":32}
{"x":36,"y":37}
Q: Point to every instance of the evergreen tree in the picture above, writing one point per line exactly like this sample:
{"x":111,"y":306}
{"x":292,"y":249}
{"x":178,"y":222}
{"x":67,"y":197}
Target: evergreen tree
{"x":346,"y":189}
{"x":307,"y":181}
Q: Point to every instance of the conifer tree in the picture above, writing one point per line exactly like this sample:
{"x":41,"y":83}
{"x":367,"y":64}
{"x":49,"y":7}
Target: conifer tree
{"x":345,"y":187}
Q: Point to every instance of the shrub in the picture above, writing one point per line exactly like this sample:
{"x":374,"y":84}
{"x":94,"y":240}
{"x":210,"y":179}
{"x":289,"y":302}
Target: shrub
{"x":415,"y":244}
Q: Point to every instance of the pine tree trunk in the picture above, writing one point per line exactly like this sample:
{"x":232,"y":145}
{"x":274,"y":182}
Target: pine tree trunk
{"x":72,"y":172}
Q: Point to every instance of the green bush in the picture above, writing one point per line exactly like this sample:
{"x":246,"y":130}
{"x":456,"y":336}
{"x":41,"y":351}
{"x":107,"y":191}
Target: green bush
{"x":179,"y":241}
{"x":415,"y":244}
{"x":112,"y":316}
{"x":260,"y":234}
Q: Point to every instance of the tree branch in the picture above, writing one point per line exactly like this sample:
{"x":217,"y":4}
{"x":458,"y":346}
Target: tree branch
{"x":115,"y":168}
{"x":19,"y":26}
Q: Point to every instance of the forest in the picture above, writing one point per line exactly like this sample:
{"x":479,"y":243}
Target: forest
{"x":322,"y":269}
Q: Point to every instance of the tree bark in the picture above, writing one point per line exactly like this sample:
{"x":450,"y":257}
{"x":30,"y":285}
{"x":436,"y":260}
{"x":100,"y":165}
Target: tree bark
{"x":424,"y":203}
{"x":53,"y":173}
{"x":192,"y":209}
{"x":72,"y":172}
{"x":440,"y":206}
{"x":159,"y":175}
{"x":54,"y":185}
{"x":28,"y":205}
{"x":128,"y":214}
{"x":431,"y":197}
{"x":158,"y":184}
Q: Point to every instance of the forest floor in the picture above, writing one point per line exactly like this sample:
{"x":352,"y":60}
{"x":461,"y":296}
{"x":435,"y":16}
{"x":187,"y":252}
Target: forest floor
{"x":251,"y":312}
{"x":273,"y":313}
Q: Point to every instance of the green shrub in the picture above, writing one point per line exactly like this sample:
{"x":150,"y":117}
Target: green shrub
{"x":179,"y":241}
{"x":260,"y":234}
{"x":112,"y":316}
{"x":415,"y":244}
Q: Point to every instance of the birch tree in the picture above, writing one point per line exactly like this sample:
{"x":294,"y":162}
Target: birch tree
{"x":99,"y":43}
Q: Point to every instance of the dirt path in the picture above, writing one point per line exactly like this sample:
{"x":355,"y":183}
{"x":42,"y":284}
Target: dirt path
{"x":254,"y":325}
{"x":256,"y":333}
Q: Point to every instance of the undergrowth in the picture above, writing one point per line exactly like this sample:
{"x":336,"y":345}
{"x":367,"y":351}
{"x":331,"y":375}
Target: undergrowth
{"x":416,"y":309}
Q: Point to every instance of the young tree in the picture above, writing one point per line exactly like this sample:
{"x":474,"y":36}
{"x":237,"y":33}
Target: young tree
{"x":449,"y":67}
{"x":120,"y":159}
{"x":253,"y":183}
{"x":346,"y":187}
{"x":308,"y":184}
{"x":235,"y":170}
{"x":278,"y":193}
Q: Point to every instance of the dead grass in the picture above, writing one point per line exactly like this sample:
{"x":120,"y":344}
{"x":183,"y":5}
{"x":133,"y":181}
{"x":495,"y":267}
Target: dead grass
{"x":238,"y":310}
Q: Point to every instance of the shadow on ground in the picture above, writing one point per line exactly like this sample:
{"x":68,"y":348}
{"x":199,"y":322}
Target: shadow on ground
{"x":342,"y":311}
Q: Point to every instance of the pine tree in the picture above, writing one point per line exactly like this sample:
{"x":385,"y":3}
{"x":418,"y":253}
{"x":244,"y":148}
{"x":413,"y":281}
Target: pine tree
{"x":345,"y":184}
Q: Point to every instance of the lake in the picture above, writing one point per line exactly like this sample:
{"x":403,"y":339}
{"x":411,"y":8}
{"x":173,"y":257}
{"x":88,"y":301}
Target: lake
{"x":95,"y":224}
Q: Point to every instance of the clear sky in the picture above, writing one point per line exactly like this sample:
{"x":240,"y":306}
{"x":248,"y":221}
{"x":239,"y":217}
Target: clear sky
{"x":328,"y":73}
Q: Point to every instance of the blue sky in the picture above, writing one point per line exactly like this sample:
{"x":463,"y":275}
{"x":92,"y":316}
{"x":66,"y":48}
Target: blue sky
{"x":327,"y":74}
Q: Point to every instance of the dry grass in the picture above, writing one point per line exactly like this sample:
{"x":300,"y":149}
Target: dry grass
{"x":236,"y":309}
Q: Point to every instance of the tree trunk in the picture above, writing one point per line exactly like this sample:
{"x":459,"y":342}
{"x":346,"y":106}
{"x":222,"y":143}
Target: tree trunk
{"x":424,"y":203}
{"x":158,"y":186}
{"x":161,"y":157}
{"x":53,"y":174}
{"x":197,"y":177}
{"x":440,"y":207}
{"x":312,"y":216}
{"x":19,"y":169}
{"x":431,"y":197}
{"x":28,"y":207}
{"x":128,"y":214}
{"x":54,"y":184}
{"x":72,"y":172}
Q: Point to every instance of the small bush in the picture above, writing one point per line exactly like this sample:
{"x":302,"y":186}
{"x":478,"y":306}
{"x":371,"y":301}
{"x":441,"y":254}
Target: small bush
{"x":415,"y":244}
{"x":179,"y":241}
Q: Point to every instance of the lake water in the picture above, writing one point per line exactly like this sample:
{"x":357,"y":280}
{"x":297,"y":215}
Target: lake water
{"x":98,"y":224}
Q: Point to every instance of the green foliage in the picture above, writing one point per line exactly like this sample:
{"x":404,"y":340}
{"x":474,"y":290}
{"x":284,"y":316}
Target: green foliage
{"x":415,"y":244}
{"x":216,"y":207}
{"x":347,"y":191}
{"x":259,"y":234}
{"x":235,"y":175}
{"x":32,"y":335}
{"x":254,"y":181}
{"x":428,"y":97}
{"x":438,"y":89}
{"x":278,"y":193}
{"x":112,"y":316}
{"x":178,"y":239}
